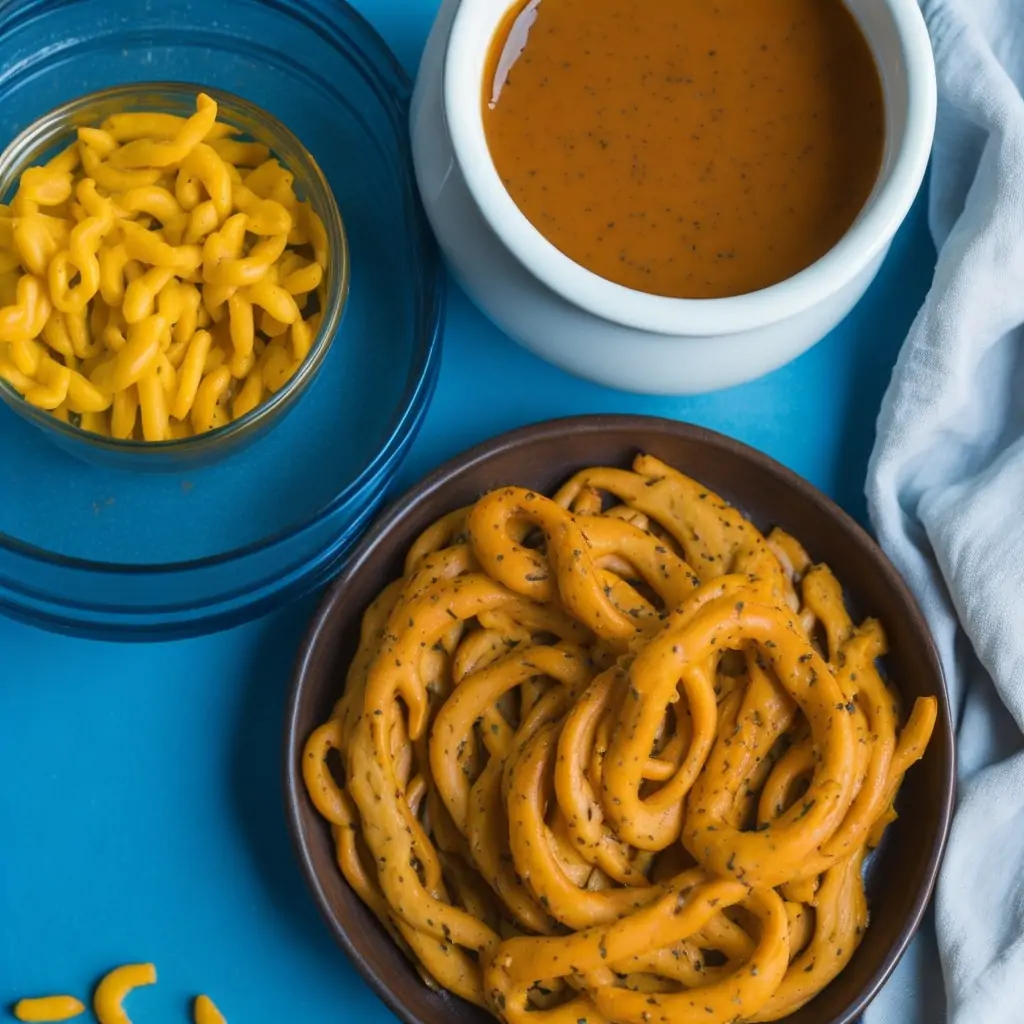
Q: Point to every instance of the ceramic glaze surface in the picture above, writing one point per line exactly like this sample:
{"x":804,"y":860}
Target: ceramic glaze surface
{"x":609,"y":334}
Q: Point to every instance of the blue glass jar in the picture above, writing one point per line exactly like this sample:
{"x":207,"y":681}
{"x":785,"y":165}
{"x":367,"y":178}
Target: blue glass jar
{"x":106,"y":550}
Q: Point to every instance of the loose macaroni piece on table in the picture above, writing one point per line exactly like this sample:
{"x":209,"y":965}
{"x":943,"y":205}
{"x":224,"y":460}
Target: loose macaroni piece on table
{"x":206,"y":1012}
{"x":159,"y":278}
{"x":615,"y":756}
{"x":108,"y":999}
{"x":48,"y":1008}
{"x":112,"y":989}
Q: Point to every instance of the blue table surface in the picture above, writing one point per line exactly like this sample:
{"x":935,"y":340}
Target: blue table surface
{"x":141,"y":814}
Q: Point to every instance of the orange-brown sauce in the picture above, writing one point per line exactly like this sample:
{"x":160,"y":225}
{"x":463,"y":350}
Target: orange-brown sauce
{"x":690,"y":148}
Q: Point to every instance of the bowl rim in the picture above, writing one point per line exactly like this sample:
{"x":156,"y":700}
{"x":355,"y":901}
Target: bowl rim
{"x":868,"y":236}
{"x":294,"y":741}
{"x":423,"y":373}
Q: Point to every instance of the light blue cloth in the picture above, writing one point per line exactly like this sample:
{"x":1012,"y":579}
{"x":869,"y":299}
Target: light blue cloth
{"x":946,"y":493}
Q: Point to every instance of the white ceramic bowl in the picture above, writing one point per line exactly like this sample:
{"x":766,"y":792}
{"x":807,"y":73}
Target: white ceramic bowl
{"x":614,"y":335}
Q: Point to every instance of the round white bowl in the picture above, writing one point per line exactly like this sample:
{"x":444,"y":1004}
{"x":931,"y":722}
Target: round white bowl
{"x":614,"y":335}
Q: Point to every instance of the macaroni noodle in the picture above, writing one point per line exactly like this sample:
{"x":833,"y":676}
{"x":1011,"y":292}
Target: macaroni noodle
{"x":111,"y":991}
{"x":206,"y":1012}
{"x":48,"y":1008}
{"x":107,"y":1000}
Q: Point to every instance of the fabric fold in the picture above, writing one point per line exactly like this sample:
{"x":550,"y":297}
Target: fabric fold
{"x":945,"y":492}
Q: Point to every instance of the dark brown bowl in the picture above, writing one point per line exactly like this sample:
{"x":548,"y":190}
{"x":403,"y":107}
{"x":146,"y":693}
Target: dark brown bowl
{"x":901,"y":873}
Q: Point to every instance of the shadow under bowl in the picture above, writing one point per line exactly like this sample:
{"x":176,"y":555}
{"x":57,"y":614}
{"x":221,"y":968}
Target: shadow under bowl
{"x":901,"y":873}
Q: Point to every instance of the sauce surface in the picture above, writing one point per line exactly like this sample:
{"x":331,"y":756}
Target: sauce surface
{"x":688,"y":148}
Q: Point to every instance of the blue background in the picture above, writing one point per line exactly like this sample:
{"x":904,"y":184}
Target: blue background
{"x":141,"y":814}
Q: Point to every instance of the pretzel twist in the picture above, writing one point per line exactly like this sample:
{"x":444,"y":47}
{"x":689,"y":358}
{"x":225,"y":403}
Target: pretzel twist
{"x":612,"y":756}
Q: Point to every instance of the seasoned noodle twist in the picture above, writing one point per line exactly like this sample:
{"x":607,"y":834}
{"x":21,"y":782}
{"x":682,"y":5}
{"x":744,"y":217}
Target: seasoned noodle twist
{"x":615,"y":756}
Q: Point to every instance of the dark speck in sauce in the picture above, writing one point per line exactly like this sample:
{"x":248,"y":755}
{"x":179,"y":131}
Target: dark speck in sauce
{"x":754,"y":128}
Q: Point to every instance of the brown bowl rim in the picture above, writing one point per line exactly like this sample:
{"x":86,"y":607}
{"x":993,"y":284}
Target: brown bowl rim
{"x":55,"y":126}
{"x":294,"y":789}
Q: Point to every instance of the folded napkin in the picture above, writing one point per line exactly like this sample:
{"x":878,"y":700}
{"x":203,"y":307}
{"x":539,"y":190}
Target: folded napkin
{"x":946,"y":494}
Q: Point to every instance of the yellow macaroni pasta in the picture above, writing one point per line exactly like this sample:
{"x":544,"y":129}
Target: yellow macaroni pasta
{"x":111,"y":991}
{"x":158,"y":278}
{"x":206,"y":1012}
{"x":110,"y":994}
